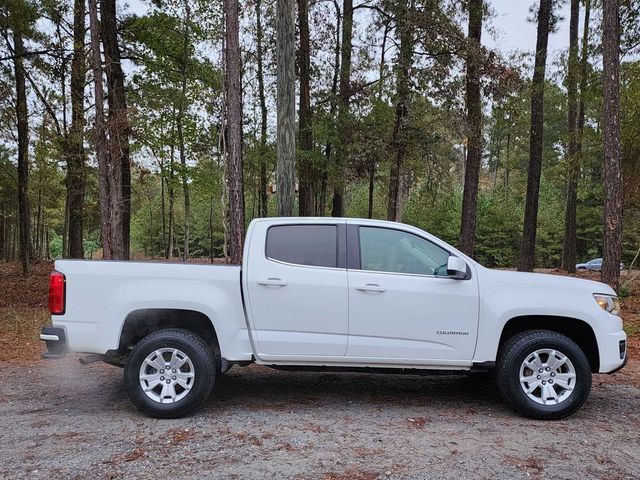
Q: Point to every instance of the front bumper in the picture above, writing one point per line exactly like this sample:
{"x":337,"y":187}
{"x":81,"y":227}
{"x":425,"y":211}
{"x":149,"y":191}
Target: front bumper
{"x":613,"y":352}
{"x":56,"y":340}
{"x":626,"y":357}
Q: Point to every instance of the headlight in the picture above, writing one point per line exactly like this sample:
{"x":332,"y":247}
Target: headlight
{"x":609,"y":303}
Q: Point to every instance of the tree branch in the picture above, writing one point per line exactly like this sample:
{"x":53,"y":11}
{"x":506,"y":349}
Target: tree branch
{"x":44,"y":101}
{"x":13,"y":56}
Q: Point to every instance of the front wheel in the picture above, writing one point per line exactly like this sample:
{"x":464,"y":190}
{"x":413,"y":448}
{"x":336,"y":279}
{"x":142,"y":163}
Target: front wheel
{"x":543,"y":374}
{"x":169,"y":373}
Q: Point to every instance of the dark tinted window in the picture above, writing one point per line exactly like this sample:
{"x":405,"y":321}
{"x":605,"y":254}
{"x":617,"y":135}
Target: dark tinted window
{"x":315,"y":245}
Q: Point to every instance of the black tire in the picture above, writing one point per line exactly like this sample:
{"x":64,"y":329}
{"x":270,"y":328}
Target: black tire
{"x":195,"y":348}
{"x":514,"y":352}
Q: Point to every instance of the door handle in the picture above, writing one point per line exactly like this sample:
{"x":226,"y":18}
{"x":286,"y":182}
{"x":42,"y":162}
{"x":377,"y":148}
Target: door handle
{"x":272,"y":282}
{"x":371,"y":287}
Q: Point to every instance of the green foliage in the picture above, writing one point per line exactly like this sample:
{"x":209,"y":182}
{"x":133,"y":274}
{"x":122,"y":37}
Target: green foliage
{"x":499,"y":229}
{"x":90,"y":247}
{"x":55,"y":246}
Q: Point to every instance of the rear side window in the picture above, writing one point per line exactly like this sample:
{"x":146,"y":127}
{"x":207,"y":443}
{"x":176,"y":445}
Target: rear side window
{"x":314,"y":245}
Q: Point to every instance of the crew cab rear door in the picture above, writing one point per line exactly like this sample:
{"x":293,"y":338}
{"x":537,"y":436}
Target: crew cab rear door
{"x":296,"y":288}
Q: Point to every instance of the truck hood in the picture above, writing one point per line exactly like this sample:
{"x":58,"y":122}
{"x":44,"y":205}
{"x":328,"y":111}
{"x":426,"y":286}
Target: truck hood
{"x":542,"y":281}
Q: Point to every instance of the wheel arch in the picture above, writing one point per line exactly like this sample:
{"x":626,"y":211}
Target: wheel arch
{"x":141,"y":322}
{"x":577,"y":330}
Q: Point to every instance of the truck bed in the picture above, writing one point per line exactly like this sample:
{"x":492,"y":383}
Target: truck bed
{"x":102,"y":294}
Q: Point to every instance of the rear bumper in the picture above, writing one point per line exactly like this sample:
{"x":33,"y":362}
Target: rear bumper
{"x":56,"y":340}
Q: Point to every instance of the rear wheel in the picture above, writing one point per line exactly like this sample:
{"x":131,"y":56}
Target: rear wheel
{"x":543,"y":374}
{"x":169,"y":373}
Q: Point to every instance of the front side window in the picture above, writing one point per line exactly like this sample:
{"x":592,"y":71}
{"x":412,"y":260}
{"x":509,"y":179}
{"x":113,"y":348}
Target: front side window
{"x":314,"y":245}
{"x":388,"y":250}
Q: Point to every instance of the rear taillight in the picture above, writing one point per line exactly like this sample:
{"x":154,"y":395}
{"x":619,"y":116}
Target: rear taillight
{"x":56,"y":293}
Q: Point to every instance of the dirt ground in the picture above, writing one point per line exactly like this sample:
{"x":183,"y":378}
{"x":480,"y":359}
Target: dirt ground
{"x":62,"y":420}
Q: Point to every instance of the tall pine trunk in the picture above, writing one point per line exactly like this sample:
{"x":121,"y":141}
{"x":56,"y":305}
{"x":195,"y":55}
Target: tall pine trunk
{"x":474,"y":124}
{"x":3,"y":228}
{"x":584,"y":75}
{"x":373,"y":160}
{"x":527,"y":252}
{"x":22,"y":119}
{"x":573,"y":159}
{"x":172,"y":203}
{"x":118,"y":127}
{"x":233,"y":85}
{"x":163,"y":209}
{"x":74,"y":144}
{"x":400,"y":134}
{"x":342,"y":134}
{"x":612,"y":242}
{"x":100,"y":137}
{"x":306,"y":203}
{"x":180,"y":130}
{"x":262,"y":197}
{"x":286,"y":106}
{"x":329,"y":151}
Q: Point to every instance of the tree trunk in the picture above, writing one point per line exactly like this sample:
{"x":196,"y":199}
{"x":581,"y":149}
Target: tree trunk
{"x":75,"y":140}
{"x":527,"y":252}
{"x":584,"y":74}
{"x":165,"y":245}
{"x":179,"y":127}
{"x":329,"y":150}
{"x":383,"y":51}
{"x":38,"y":222}
{"x":507,"y":164}
{"x":286,"y":106}
{"x":3,"y":236}
{"x":170,"y":189}
{"x":233,"y":85}
{"x":400,"y":133}
{"x":65,"y":227}
{"x":306,"y":204}
{"x":118,"y":125}
{"x":474,"y":124}
{"x":496,"y":164}
{"x":22,"y":118}
{"x":612,"y":242}
{"x":373,"y":160}
{"x":342,"y":134}
{"x":172,"y":216}
{"x":573,"y":160}
{"x":100,"y":137}
{"x":372,"y":179}
{"x":262,"y":197}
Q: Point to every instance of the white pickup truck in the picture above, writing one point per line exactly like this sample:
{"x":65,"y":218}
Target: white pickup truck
{"x":331,"y":293}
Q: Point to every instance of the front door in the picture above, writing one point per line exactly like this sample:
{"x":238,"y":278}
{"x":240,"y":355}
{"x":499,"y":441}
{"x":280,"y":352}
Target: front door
{"x":297,"y":296}
{"x":402,"y":305}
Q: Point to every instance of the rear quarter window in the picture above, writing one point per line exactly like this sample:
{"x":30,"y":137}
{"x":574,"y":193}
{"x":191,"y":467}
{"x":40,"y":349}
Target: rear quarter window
{"x":313,"y":245}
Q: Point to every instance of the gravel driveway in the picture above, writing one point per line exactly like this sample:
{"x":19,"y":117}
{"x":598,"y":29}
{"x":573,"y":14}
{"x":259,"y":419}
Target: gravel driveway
{"x":62,"y":420}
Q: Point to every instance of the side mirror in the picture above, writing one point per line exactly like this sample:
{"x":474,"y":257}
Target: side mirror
{"x":456,"y":268}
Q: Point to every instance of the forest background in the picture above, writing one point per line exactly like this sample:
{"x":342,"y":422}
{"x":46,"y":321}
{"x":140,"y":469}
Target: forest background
{"x":160,"y":129}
